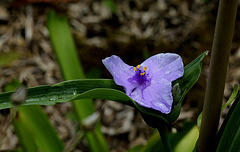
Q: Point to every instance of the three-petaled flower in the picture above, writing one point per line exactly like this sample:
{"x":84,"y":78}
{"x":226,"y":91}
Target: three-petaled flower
{"x":150,"y":83}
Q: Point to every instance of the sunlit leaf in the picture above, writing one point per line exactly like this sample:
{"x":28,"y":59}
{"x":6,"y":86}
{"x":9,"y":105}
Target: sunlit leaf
{"x":66,"y":52}
{"x":187,"y":143}
{"x":154,"y":143}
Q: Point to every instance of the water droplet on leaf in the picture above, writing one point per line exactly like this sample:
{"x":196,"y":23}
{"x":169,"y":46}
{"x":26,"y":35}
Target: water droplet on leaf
{"x":53,"y":98}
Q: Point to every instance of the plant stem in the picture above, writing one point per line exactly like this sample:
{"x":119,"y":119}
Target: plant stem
{"x":217,"y":73}
{"x":165,"y":139}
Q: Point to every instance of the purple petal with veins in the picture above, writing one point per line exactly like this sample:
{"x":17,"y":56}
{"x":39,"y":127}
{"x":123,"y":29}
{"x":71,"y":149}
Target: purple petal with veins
{"x":150,"y":83}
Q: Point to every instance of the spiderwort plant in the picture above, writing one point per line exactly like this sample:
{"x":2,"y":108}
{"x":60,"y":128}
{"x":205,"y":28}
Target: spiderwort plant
{"x":106,"y":89}
{"x":149,"y":85}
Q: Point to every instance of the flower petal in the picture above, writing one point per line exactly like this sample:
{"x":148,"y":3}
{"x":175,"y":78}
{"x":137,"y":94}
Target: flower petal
{"x":137,"y":96}
{"x":120,"y":71}
{"x":165,"y":65}
{"x":156,"y":91}
{"x":157,"y":96}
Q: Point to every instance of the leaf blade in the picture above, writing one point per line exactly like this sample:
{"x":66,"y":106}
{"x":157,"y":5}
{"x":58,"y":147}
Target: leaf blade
{"x":42,"y":132}
{"x":64,"y":91}
{"x":67,"y":90}
{"x":229,"y":133}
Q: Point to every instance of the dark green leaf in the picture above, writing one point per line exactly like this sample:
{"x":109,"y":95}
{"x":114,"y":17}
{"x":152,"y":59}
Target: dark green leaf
{"x":68,"y":91}
{"x":105,"y":89}
{"x":28,"y":130}
{"x":229,"y":133}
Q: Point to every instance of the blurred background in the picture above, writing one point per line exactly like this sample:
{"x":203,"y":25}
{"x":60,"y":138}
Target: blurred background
{"x":131,"y":29}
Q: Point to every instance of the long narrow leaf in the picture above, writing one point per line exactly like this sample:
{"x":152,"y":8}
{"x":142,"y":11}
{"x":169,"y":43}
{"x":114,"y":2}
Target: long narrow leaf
{"x":25,"y":137}
{"x":33,"y":120}
{"x":103,"y":89}
{"x":65,"y":49}
{"x":69,"y":91}
{"x":229,"y":133}
{"x":29,"y":122}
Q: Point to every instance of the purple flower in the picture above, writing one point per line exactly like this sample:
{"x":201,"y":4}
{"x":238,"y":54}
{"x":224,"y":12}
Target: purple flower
{"x":150,"y":83}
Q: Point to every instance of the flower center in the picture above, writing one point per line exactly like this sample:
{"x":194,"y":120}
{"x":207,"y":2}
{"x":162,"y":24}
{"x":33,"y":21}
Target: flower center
{"x":140,"y":75}
{"x":139,"y":71}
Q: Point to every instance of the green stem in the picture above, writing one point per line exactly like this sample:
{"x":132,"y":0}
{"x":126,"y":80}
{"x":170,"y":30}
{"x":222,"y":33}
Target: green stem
{"x":217,"y":73}
{"x":165,"y":139}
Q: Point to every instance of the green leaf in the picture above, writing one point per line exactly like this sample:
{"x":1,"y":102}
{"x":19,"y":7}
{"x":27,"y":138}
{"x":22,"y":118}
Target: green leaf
{"x":69,"y":91}
{"x":27,"y":133}
{"x":154,"y":143}
{"x":25,"y":136}
{"x":229,"y":133}
{"x":32,"y":125}
{"x":105,"y":89}
{"x":230,"y":100}
{"x":64,"y":46}
{"x":12,"y":86}
{"x":136,"y":148}
{"x":187,"y":143}
{"x":199,"y":121}
{"x":8,"y":58}
{"x":111,"y":5}
{"x":192,"y":73}
{"x":232,"y":97}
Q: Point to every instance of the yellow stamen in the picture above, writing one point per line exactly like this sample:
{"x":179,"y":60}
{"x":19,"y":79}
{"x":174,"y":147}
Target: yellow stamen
{"x":138,"y":66}
{"x":134,"y":68}
{"x":142,"y":73}
{"x":145,"y":68}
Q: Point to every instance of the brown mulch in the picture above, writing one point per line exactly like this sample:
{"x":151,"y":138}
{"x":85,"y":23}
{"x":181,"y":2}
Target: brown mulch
{"x":136,"y":30}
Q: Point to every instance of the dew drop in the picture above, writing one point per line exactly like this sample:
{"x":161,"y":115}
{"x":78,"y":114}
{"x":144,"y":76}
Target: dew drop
{"x":74,"y":92}
{"x":53,"y":98}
